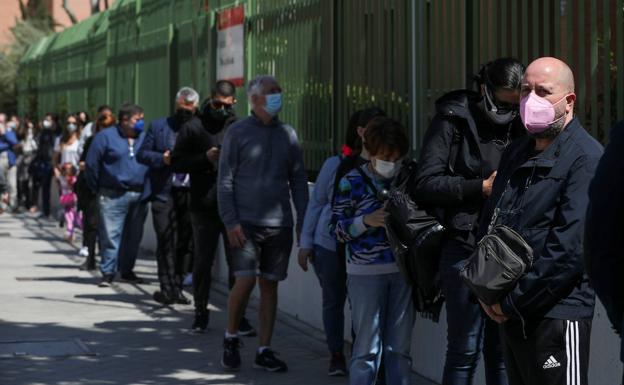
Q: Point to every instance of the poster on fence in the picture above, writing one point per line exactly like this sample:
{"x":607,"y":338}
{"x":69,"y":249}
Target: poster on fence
{"x":231,"y":45}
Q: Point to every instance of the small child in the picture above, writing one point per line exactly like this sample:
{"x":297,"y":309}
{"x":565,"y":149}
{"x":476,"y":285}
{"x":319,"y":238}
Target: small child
{"x":67,"y":179}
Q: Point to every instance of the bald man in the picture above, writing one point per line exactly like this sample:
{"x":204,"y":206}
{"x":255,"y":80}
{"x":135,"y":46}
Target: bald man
{"x":541,"y":192}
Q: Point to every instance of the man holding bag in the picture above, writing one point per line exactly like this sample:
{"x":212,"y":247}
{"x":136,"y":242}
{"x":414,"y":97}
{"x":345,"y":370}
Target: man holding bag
{"x":541,"y":193}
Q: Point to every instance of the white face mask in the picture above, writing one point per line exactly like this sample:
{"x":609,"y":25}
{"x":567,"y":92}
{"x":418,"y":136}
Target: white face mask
{"x":386,"y":169}
{"x":47,"y":124}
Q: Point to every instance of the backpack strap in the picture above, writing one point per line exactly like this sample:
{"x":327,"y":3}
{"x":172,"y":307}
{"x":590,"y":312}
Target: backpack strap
{"x":368,"y":180}
{"x":346,"y":164}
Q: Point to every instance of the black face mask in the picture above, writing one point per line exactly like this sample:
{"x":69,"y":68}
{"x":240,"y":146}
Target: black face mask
{"x":495,"y":113}
{"x":183,"y":116}
{"x":214,"y":119}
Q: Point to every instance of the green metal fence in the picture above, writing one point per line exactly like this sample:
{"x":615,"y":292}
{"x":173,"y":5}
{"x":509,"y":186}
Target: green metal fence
{"x":331,"y":56}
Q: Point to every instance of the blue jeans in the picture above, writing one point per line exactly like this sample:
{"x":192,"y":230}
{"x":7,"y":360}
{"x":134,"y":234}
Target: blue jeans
{"x":470,"y":331}
{"x":383,"y":317}
{"x":332,"y":275}
{"x":122,"y":216}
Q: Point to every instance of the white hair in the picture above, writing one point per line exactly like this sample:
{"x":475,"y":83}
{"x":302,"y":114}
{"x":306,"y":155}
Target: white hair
{"x":258,"y":85}
{"x":189,"y":95}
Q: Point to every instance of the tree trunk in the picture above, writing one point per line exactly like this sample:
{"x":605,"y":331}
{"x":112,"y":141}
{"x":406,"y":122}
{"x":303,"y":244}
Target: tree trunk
{"x":69,"y":12}
{"x":95,"y":6}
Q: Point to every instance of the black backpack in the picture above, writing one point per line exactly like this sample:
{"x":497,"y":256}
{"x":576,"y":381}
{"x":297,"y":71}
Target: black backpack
{"x":415,"y":237}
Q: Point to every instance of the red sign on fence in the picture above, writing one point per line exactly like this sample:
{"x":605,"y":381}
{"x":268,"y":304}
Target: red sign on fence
{"x":231,"y":45}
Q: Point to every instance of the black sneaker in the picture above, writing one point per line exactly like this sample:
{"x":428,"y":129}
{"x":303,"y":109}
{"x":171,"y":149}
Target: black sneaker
{"x":162,"y":298}
{"x":180,"y":299}
{"x":107,"y":280}
{"x":337,"y":365}
{"x":200,"y":323}
{"x":267,"y":361}
{"x":245,"y":329}
{"x":231,"y":356}
{"x":130,"y":277}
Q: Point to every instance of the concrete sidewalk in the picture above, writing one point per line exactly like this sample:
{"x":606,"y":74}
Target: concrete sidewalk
{"x":127,"y":337}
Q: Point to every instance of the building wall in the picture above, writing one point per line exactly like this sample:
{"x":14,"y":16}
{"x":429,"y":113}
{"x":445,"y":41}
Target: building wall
{"x":10,"y":12}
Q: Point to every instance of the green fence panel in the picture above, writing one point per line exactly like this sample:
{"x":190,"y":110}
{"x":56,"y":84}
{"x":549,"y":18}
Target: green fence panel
{"x":122,"y":47}
{"x":332,"y":57}
{"x":285,"y":39}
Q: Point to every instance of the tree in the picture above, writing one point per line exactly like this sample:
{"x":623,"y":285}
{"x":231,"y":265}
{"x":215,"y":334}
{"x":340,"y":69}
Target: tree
{"x":95,"y":8}
{"x":36,"y":23}
{"x":69,"y":12}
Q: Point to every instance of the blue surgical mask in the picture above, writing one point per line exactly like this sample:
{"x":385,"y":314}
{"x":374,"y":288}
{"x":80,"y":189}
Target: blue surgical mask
{"x":138,"y":127}
{"x":273,"y":104}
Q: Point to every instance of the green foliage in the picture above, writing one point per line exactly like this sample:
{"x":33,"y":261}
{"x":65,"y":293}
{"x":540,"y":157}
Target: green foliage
{"x":36,"y":24}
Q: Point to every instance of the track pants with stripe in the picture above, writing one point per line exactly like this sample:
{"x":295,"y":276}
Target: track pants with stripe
{"x":554,"y":352}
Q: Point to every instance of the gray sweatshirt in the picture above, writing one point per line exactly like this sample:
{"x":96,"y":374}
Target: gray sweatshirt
{"x":260,"y":167}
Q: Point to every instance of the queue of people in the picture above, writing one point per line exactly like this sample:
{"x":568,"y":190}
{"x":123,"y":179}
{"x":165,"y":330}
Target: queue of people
{"x":510,"y":154}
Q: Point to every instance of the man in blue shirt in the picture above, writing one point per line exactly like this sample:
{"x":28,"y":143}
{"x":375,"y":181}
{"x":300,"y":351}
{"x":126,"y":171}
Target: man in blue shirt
{"x":115,"y":175}
{"x":8,"y":140}
{"x":170,"y":198}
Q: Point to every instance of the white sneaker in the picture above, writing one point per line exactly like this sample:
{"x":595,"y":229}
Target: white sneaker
{"x":84,"y":252}
{"x":188,"y":280}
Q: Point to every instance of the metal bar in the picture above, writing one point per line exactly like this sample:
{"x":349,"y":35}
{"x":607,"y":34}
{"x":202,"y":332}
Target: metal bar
{"x":557,"y":28}
{"x":503,"y":33}
{"x":580,"y":44}
{"x":619,"y":57}
{"x":524,"y":55}
{"x":534,"y":22}
{"x":606,"y":74}
{"x":515,"y":44}
{"x":547,"y":25}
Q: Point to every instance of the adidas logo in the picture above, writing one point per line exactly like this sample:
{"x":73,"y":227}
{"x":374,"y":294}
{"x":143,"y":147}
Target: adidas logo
{"x":551,"y":363}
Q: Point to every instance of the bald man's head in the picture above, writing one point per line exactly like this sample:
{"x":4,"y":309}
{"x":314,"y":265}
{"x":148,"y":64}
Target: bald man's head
{"x":551,"y":79}
{"x":554,"y":71}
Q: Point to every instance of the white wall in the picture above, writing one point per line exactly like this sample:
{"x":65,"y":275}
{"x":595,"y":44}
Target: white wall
{"x":300,"y":297}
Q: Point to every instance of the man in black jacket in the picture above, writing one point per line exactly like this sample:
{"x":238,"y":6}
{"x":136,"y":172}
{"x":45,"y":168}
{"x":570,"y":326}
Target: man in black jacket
{"x":540,"y":191}
{"x":196,"y":152}
{"x":170,"y":197}
{"x":605,"y":228}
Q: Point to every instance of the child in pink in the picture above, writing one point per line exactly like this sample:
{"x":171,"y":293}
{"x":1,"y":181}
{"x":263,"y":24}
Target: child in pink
{"x":67,"y":179}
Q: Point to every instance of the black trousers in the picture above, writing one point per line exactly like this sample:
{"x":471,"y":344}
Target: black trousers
{"x":206,"y":232}
{"x":556,"y":352}
{"x":43,"y":182}
{"x":91,"y":218}
{"x":173,"y":239}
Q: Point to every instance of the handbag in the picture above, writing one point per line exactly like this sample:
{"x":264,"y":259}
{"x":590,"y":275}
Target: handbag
{"x":500,"y":259}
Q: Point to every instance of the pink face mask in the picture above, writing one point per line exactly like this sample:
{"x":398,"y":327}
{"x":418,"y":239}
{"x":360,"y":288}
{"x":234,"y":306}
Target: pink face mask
{"x":538,"y":113}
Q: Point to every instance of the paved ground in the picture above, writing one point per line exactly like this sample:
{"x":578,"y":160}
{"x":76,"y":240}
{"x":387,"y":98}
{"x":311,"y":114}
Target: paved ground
{"x":44,"y":297}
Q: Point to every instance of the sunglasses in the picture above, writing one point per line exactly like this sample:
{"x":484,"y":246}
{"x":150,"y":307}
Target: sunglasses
{"x":219,"y":105}
{"x":496,"y":105}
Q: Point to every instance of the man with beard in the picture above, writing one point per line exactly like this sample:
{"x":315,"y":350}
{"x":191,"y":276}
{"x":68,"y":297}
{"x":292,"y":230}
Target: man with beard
{"x":170,"y":197}
{"x":197,"y":152}
{"x":541,"y":192}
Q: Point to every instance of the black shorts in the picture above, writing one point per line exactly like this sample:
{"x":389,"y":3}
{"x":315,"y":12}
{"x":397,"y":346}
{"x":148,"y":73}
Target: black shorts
{"x":265,"y":254}
{"x":556,"y":352}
